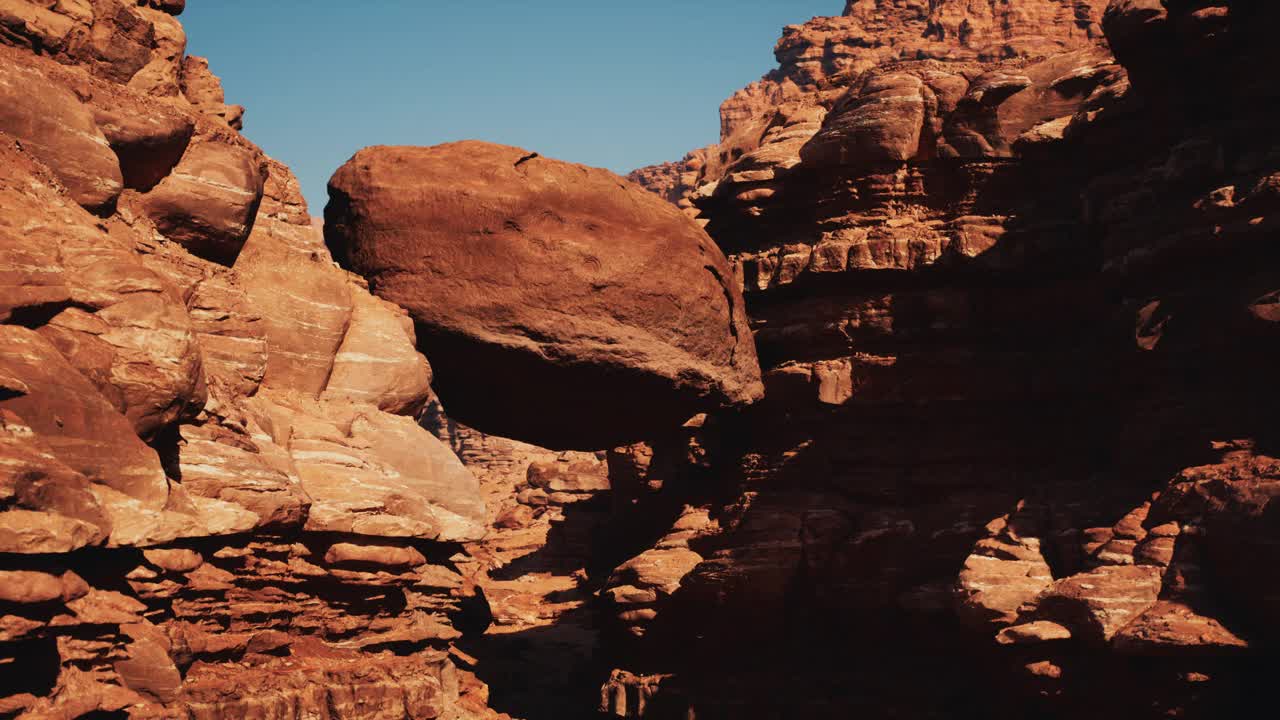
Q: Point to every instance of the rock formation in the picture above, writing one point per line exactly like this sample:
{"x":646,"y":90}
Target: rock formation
{"x":540,"y":284}
{"x":215,"y":500}
{"x":1008,"y":273}
{"x":1005,"y":272}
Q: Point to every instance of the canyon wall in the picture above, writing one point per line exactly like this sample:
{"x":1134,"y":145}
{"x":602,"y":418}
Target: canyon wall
{"x":227,"y":486}
{"x":939,"y":388}
{"x":215,"y":500}
{"x":1010,"y":272}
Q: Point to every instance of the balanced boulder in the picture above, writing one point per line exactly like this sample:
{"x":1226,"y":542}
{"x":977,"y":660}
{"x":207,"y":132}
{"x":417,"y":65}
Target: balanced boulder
{"x":557,"y":303}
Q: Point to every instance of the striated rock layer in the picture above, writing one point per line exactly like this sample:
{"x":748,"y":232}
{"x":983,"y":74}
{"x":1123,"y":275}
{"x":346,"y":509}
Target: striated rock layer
{"x":215,"y":500}
{"x":1009,"y":269}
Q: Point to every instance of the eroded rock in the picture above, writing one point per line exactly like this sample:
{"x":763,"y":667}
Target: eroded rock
{"x":209,"y":201}
{"x":596,"y":315}
{"x":59,"y":130}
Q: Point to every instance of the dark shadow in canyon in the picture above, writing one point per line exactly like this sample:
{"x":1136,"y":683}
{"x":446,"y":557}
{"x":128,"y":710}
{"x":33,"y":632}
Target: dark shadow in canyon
{"x":542,"y":673}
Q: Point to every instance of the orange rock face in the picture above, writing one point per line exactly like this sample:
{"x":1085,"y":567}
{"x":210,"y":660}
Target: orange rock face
{"x":200,"y":414}
{"x":1005,"y":271}
{"x":60,"y":131}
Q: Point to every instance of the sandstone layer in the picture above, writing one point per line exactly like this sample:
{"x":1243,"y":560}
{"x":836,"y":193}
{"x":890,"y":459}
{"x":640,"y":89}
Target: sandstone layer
{"x":1009,"y":271}
{"x":215,"y":500}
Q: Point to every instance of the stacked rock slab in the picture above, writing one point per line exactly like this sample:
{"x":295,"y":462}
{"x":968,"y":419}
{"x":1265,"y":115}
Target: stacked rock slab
{"x":214,"y":498}
{"x":764,"y":125}
{"x":1010,"y":273}
{"x":1011,"y":287}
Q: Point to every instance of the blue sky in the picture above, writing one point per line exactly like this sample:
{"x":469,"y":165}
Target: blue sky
{"x":612,"y":83}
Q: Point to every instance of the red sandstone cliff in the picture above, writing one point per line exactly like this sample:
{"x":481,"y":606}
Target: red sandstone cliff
{"x":214,"y":498}
{"x":1009,"y":279}
{"x":1006,"y":269}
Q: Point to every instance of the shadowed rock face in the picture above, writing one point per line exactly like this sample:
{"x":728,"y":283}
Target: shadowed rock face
{"x":1013,"y":285}
{"x":593,"y":309}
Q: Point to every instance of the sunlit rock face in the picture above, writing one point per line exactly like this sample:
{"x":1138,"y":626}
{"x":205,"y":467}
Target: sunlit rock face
{"x":1004,"y":272}
{"x":558,"y":303}
{"x":215,"y":500}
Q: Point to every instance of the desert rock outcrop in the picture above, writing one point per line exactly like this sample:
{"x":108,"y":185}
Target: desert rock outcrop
{"x":214,"y":498}
{"x":539,"y":284}
{"x":1009,"y":269}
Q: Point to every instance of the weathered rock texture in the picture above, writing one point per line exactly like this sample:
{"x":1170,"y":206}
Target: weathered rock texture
{"x":549,"y":515}
{"x":215,"y":500}
{"x":540,"y":284}
{"x":568,"y":566}
{"x":1011,"y":274}
{"x":1010,"y":269}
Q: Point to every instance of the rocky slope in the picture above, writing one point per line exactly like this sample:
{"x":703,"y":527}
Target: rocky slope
{"x":227,"y":488}
{"x":215,"y":500}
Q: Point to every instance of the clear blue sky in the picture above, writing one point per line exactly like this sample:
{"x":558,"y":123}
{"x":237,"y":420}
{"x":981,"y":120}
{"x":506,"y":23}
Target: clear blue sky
{"x":611,"y":83}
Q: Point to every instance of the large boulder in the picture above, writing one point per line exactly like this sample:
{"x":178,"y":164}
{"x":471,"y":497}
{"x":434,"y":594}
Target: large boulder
{"x":52,"y":123}
{"x":557,"y":303}
{"x":209,"y":201}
